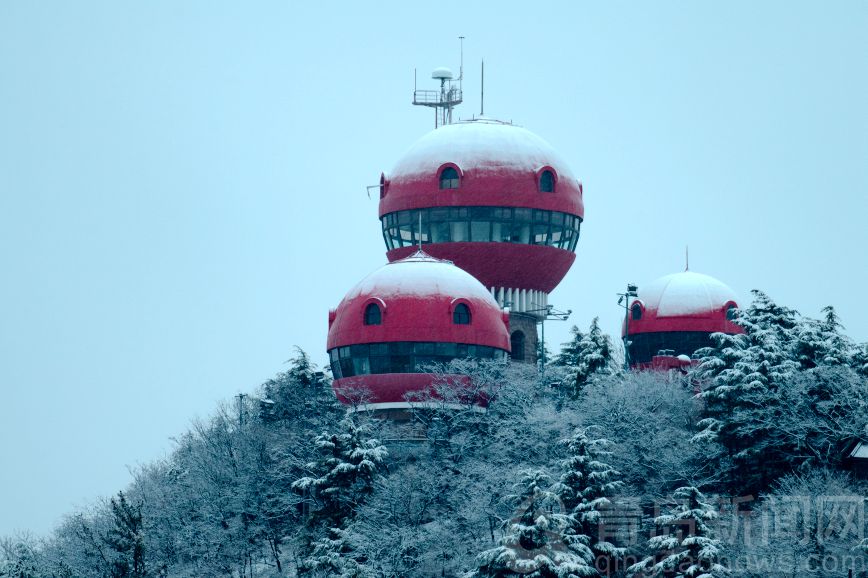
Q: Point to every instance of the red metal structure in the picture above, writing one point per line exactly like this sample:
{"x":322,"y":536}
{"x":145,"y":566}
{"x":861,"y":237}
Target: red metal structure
{"x":674,"y":316}
{"x":496,"y":200}
{"x":404,"y":317}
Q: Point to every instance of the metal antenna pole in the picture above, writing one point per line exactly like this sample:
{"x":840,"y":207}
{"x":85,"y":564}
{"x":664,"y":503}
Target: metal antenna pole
{"x":241,"y":397}
{"x":482,"y":91}
{"x":687,"y":257}
{"x":420,"y":230}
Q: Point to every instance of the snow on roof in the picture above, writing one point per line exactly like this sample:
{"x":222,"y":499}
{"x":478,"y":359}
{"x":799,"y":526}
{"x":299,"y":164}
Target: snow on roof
{"x":860,"y":452}
{"x":420,"y":275}
{"x":480,"y":143}
{"x":685,"y":293}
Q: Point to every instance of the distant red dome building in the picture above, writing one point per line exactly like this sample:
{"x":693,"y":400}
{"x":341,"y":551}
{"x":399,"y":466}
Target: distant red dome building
{"x":675,"y":316}
{"x":402,"y":318}
{"x":496,"y":200}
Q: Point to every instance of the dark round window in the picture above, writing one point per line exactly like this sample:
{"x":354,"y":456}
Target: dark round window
{"x":461,"y":315}
{"x":636,"y":312}
{"x":547,"y":182}
{"x":449,"y":178}
{"x":731,"y":312}
{"x":373,"y":315}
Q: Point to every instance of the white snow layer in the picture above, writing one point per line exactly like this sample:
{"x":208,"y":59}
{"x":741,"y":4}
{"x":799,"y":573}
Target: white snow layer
{"x":685,"y":293}
{"x":480,"y":143}
{"x":422,"y":275}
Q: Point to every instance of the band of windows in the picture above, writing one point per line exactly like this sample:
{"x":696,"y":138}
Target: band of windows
{"x":403,"y":357}
{"x":644,"y":346}
{"x":482,"y":224}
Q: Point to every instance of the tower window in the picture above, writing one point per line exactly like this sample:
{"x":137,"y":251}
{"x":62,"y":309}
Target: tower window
{"x":636,"y":312}
{"x":461,"y":315}
{"x":516,"y":343}
{"x":731,"y":312}
{"x":547,"y":182}
{"x":373,"y":315}
{"x":448,"y":178}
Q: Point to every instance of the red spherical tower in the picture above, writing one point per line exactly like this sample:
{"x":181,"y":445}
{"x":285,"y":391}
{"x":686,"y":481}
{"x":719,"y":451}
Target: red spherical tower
{"x":496,"y":200}
{"x":675,"y":316}
{"x":404,"y":317}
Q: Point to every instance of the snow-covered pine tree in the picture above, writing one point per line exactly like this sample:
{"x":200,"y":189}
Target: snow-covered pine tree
{"x":740,"y":376}
{"x":332,"y":558}
{"x":685,"y":546}
{"x":820,"y":342}
{"x":344,"y":474}
{"x":586,"y":354}
{"x":535,"y":544}
{"x":585,"y":488}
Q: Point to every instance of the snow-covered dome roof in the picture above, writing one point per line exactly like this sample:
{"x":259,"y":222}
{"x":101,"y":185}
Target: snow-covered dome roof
{"x":421,"y":275}
{"x":682,"y":302}
{"x":478,"y":144}
{"x":417,"y":297}
{"x":685,"y":294}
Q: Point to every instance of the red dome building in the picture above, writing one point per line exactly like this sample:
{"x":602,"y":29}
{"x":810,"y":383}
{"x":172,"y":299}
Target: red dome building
{"x":674,"y":316}
{"x":496,"y":200}
{"x":403,"y":317}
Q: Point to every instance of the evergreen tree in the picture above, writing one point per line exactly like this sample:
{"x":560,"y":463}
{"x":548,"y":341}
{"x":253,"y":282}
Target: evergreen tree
{"x":586,"y":354}
{"x":685,"y":546}
{"x":343,"y":476}
{"x":332,"y":558}
{"x":585,"y":488}
{"x":821,"y":342}
{"x":535,"y":544}
{"x":741,"y":375}
{"x":126,"y":539}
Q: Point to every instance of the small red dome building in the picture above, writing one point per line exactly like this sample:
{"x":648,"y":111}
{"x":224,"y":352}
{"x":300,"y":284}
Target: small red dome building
{"x":674,"y":316}
{"x":403,"y":317}
{"x":496,"y":200}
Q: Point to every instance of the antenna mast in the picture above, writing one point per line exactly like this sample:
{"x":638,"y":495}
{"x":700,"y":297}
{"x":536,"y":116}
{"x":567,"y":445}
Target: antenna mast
{"x":686,"y":257}
{"x":482,"y":91}
{"x":448,"y":97}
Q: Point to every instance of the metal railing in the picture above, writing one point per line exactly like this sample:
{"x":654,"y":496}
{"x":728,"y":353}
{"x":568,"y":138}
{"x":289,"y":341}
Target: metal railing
{"x":435,"y":97}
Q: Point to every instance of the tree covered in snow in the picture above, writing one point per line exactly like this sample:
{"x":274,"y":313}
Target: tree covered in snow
{"x":821,"y":342}
{"x":344,"y":473}
{"x":586,"y":354}
{"x":536,"y":544}
{"x":741,"y":375}
{"x":332,"y":557}
{"x":782,"y":394}
{"x":585,"y":487}
{"x":685,"y":546}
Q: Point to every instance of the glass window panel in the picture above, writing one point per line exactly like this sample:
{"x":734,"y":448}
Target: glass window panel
{"x":459,"y":231}
{"x":540,"y":234}
{"x":541,"y":216}
{"x":522,"y":215}
{"x":424,"y":348}
{"x":381,"y":364}
{"x":438,"y":215}
{"x":557,"y":235}
{"x":344,"y":352}
{"x":440,"y":232}
{"x":480,"y":231}
{"x":458,"y":213}
{"x":445,"y":349}
{"x":379,"y":349}
{"x":359,"y":350}
{"x":558,"y":218}
{"x":361,"y":365}
{"x":347,"y":367}
{"x":336,"y":370}
{"x":404,"y":217}
{"x":500,"y":232}
{"x":481,"y":212}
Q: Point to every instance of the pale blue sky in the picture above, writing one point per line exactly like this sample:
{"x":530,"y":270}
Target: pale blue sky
{"x":182,"y":185}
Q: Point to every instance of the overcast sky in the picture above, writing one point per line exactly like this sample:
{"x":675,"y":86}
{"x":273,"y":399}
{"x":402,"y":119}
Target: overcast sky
{"x":182,"y":185}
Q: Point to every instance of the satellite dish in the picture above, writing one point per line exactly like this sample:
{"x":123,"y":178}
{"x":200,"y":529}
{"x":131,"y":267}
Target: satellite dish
{"x":442,"y":73}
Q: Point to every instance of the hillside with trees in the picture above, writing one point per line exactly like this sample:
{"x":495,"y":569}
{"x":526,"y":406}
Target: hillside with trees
{"x":736,"y":468}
